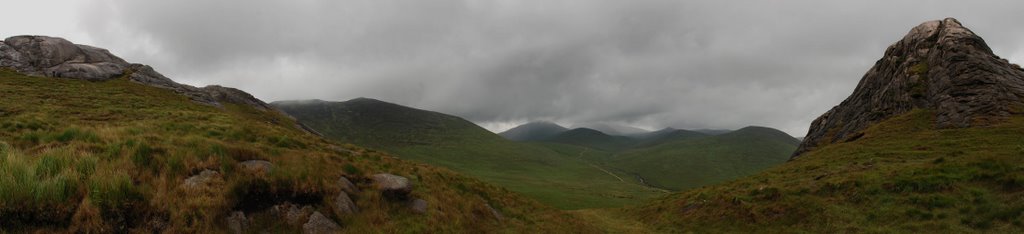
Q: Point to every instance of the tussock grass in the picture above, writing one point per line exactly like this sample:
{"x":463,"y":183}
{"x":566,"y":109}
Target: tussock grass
{"x":902,"y":176}
{"x":100,"y":157}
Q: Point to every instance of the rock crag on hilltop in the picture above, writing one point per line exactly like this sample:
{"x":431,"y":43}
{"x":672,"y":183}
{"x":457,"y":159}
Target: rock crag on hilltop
{"x":57,"y":57}
{"x":940,"y":65}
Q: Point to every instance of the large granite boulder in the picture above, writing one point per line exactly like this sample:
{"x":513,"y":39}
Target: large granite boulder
{"x":392,"y":186}
{"x":939,"y":65}
{"x":56,"y":57}
{"x":344,"y":205}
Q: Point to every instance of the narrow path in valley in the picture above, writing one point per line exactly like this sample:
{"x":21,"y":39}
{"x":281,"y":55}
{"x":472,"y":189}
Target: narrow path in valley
{"x":580,"y":156}
{"x":644,"y":183}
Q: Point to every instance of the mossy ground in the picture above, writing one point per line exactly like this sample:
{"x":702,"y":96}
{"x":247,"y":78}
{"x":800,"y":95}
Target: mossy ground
{"x":111,"y":156}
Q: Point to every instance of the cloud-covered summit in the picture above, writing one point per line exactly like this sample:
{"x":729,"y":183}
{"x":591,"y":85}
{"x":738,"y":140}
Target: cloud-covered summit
{"x":650,"y":63}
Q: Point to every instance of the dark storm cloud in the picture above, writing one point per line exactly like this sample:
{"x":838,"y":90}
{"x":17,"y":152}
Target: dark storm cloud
{"x":685,"y":64}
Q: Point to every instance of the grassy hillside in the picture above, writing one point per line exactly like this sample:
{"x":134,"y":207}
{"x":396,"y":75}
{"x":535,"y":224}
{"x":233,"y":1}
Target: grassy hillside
{"x":593,"y":139}
{"x":693,"y":162}
{"x":560,"y":179}
{"x":903,"y":175}
{"x":100,"y":157}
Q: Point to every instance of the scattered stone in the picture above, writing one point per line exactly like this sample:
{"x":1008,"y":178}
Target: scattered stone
{"x":419,"y":206}
{"x":940,"y":65}
{"x":202,"y":179}
{"x":392,"y":186}
{"x":292,"y":214}
{"x":347,"y":185}
{"x":256,"y":167}
{"x":318,"y":223}
{"x":296,"y":215}
{"x":344,"y":205}
{"x":237,"y":222}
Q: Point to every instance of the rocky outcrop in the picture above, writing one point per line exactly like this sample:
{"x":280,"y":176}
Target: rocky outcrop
{"x":202,"y":180}
{"x":56,"y":57}
{"x":320,"y":224}
{"x":392,"y":186}
{"x":344,"y":205}
{"x":347,"y":185}
{"x":940,"y":65}
{"x":233,"y":95}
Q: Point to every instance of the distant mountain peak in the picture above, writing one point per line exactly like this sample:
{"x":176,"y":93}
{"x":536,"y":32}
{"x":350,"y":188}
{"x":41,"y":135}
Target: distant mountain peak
{"x":613,"y":128}
{"x":939,"y":65}
{"x":533,"y":131}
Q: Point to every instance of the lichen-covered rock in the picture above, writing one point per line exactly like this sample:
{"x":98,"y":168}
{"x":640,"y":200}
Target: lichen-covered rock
{"x":344,"y":205}
{"x":392,"y":186}
{"x":939,"y":65}
{"x":57,"y":57}
{"x":320,"y":224}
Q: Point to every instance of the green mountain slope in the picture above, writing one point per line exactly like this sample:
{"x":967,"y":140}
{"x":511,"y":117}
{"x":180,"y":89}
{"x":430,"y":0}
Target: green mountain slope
{"x":533,"y":131}
{"x":116,"y":155}
{"x":903,"y":175}
{"x":664,"y":136}
{"x":693,"y":162}
{"x":559,"y":179}
{"x":593,"y":139}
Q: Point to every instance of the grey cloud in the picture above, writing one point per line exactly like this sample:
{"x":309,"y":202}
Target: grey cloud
{"x":650,"y":63}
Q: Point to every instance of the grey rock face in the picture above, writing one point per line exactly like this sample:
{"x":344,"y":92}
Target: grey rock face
{"x":56,"y":57}
{"x":392,"y":186}
{"x":939,"y":65}
{"x":344,"y":205}
{"x":320,"y":224}
{"x":257,"y":167}
{"x":347,"y":185}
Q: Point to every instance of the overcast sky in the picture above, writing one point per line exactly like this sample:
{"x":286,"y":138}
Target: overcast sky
{"x":651,"y":64}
